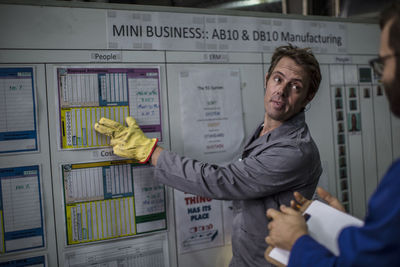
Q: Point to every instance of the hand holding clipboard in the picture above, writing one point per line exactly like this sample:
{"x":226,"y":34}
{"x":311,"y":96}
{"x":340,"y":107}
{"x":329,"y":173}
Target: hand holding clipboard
{"x":324,"y":225}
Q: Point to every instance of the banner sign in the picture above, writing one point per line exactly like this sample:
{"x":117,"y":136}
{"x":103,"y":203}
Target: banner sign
{"x":199,"y":32}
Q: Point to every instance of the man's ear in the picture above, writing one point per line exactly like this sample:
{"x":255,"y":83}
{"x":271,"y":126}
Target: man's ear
{"x":266,"y":79}
{"x":308,"y":98}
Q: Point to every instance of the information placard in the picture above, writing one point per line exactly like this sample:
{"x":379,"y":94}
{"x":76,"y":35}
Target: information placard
{"x":18,"y":130}
{"x":21,"y":211}
{"x":146,"y":251}
{"x":106,"y":200}
{"x":87,"y":94}
{"x":200,"y":32}
{"x":211,"y":108}
{"x":198,"y":222}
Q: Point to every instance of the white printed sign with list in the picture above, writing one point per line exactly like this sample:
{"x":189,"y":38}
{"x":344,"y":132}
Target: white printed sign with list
{"x":211,"y":109}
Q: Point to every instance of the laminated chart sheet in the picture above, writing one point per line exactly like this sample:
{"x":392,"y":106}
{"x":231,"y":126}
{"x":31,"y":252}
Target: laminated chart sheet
{"x":18,"y":130}
{"x":87,"y":94}
{"x":112,"y":199}
{"x":39,"y":261}
{"x":151,"y":251}
{"x":21,"y":210}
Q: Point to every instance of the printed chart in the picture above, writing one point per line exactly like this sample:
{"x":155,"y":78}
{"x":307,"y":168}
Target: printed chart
{"x":20,"y":209}
{"x":18,"y":131}
{"x":147,"y":251}
{"x":111,"y":199}
{"x":87,"y":94}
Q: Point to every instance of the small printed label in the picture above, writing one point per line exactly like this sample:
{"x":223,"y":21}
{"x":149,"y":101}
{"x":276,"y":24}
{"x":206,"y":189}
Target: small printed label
{"x":106,"y":56}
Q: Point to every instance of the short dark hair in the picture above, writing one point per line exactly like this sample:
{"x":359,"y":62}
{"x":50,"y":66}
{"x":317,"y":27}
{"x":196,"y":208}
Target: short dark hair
{"x":303,"y":57}
{"x":390,"y":12}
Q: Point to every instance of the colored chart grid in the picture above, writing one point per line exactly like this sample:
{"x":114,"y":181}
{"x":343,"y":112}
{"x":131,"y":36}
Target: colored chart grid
{"x":112,"y":199}
{"x":87,"y":94}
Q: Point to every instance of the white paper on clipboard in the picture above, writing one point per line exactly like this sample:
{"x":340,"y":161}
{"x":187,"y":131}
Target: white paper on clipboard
{"x":324,"y":225}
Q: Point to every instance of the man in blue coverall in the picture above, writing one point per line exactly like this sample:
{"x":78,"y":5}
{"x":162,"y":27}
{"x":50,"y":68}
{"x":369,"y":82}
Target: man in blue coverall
{"x":279,"y":158}
{"x":377,"y":243}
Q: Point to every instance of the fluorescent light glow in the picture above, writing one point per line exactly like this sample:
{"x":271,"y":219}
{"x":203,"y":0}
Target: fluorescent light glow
{"x":244,"y":3}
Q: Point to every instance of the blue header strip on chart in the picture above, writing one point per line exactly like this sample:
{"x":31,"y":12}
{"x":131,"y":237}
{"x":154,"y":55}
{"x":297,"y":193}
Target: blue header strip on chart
{"x":5,"y":136}
{"x":19,"y":171}
{"x":16,"y":72}
{"x":25,"y":262}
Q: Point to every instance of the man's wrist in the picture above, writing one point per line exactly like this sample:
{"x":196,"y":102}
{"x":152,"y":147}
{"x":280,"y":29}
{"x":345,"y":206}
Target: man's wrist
{"x":154,"y":156}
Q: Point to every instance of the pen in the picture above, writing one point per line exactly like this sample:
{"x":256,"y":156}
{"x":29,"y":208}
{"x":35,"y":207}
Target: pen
{"x":306,"y":216}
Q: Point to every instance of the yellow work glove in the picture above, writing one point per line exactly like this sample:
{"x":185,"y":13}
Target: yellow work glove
{"x":128,"y":142}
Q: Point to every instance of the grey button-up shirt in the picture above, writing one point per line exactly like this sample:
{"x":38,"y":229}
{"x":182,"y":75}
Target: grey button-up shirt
{"x":272,"y":167}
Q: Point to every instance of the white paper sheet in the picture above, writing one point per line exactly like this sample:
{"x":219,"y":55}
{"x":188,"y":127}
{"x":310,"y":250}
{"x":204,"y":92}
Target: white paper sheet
{"x":211,"y":112}
{"x":149,"y":195}
{"x":324,"y":225}
{"x":146,"y":251}
{"x":17,"y":109}
{"x":198,"y":222}
{"x":21,"y":210}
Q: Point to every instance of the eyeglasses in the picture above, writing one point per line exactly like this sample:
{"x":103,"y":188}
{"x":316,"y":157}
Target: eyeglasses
{"x":378,"y":63}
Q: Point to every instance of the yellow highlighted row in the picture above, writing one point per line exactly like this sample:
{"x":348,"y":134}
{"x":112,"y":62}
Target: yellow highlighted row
{"x":78,"y":125}
{"x":102,"y":164}
{"x":100,"y":220}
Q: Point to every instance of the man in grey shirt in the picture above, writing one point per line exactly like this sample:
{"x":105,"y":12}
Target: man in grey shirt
{"x":278,"y":159}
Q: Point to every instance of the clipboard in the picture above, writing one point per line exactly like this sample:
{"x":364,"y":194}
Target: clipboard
{"x":272,"y":260}
{"x":324,"y":226}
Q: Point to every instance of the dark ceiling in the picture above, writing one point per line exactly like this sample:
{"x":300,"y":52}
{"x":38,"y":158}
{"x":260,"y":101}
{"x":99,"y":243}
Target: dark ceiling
{"x":340,"y":8}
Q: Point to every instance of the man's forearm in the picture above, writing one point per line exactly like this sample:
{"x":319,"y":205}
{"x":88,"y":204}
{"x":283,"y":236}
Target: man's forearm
{"x":154,"y":156}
